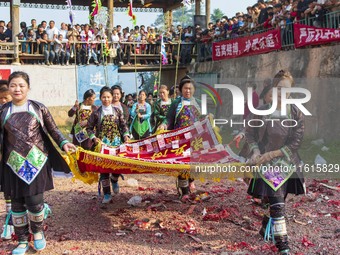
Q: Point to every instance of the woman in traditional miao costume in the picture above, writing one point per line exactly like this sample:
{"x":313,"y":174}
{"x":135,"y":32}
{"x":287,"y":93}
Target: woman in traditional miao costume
{"x":277,"y":146}
{"x":116,"y":102}
{"x":82,"y":112}
{"x":184,"y":111}
{"x":141,"y":111}
{"x":107,"y":125}
{"x":28,"y":156}
{"x":162,"y":105}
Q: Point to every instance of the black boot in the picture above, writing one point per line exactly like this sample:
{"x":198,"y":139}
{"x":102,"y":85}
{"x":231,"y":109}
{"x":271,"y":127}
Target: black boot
{"x":37,"y":223}
{"x":182,"y":186}
{"x":20,"y":223}
{"x":280,"y":235}
{"x":264,"y":225}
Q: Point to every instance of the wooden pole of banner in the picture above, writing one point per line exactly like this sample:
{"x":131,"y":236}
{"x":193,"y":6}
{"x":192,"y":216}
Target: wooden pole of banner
{"x":160,"y":68}
{"x":207,"y":12}
{"x":15,"y":14}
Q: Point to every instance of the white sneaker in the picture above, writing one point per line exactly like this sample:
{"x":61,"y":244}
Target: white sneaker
{"x":10,"y":231}
{"x":121,"y":63}
{"x":67,"y":63}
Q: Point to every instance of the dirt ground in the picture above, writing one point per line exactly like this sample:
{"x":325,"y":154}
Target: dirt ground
{"x":161,"y":224}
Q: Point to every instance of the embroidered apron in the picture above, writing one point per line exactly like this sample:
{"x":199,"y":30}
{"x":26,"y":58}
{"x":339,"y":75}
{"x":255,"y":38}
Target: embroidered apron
{"x":141,"y":126}
{"x":187,"y":115}
{"x":109,"y":133}
{"x":24,"y":157}
{"x":79,"y":131}
{"x":276,"y":172}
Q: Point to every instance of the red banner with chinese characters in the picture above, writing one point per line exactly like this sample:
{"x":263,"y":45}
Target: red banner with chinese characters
{"x":308,"y":35}
{"x":5,"y":73}
{"x":249,"y":45}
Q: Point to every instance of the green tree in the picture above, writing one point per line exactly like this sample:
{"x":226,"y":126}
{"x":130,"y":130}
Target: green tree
{"x":146,"y":81}
{"x":216,"y":14}
{"x":182,"y":16}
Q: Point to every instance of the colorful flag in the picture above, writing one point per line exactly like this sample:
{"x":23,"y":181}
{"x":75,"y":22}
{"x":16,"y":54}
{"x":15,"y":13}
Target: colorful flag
{"x":71,"y":13}
{"x":96,"y":4}
{"x":130,"y":13}
{"x":186,"y":3}
{"x":155,"y":85}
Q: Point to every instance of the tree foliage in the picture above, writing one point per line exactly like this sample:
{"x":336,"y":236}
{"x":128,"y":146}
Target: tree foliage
{"x":146,"y":81}
{"x":182,"y":16}
{"x":216,"y":14}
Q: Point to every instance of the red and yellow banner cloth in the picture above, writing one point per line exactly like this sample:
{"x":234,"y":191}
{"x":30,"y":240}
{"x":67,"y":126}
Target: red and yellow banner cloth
{"x":170,"y":153}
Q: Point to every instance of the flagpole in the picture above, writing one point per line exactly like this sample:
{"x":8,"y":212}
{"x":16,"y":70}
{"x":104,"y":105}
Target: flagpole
{"x":73,"y":45}
{"x":184,"y":2}
{"x":160,"y":66}
{"x":177,"y":61}
{"x":135,"y":67}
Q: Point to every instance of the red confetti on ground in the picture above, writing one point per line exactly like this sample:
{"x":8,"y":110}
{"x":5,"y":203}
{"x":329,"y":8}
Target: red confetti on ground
{"x":145,"y":189}
{"x":188,"y":228}
{"x":219,"y":189}
{"x":267,"y":247}
{"x":334,"y":202}
{"x":306,"y":242}
{"x":217,"y":216}
{"x":297,"y":204}
{"x":336,"y":215}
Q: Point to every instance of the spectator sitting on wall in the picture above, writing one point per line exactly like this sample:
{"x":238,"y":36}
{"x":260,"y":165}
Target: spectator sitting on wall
{"x":235,"y":27}
{"x":255,"y":13}
{"x":39,"y":33}
{"x":33,"y":25}
{"x":268,"y":23}
{"x":3,"y":37}
{"x":52,"y":33}
{"x":63,"y":30}
{"x":8,"y":31}
{"x":186,"y":52}
{"x":23,"y":28}
{"x":3,"y":24}
{"x":44,"y":48}
{"x":263,"y":15}
{"x":302,"y":6}
{"x":44,"y":24}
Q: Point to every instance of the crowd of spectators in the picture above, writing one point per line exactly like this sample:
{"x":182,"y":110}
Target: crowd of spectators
{"x":265,"y":15}
{"x":84,"y":44}
{"x":270,"y":14}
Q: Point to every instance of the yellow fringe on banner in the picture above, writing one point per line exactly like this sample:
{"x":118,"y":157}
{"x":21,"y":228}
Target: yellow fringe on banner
{"x":86,"y":177}
{"x":215,"y":172}
{"x":216,"y":129}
